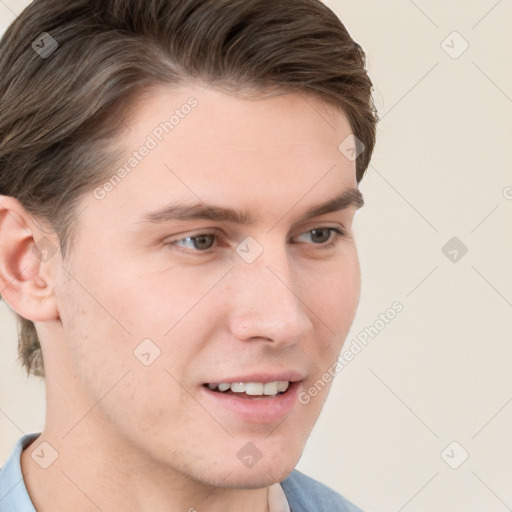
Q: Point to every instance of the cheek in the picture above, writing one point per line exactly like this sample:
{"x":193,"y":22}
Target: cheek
{"x":335,"y":296}
{"x":334,"y":302}
{"x":100,"y":360}
{"x":96,"y":348}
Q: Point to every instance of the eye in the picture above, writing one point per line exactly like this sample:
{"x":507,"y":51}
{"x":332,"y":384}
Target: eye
{"x":204,"y":242}
{"x":322,"y":235}
{"x":201,"y":242}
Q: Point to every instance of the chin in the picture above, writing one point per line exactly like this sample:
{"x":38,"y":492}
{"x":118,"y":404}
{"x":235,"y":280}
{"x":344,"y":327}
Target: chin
{"x":273,"y":466}
{"x":256,"y":477}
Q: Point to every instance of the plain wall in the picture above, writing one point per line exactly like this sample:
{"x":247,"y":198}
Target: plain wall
{"x":439,"y":372}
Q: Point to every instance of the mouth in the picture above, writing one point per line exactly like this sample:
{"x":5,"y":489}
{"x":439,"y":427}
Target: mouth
{"x":250,"y":390}
{"x":253,"y":401}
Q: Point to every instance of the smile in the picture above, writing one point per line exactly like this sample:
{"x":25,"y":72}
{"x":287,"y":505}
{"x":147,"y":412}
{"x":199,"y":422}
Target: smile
{"x":274,"y":388}
{"x":252,"y":402}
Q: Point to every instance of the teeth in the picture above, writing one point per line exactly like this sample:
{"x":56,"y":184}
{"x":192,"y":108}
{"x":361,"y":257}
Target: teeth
{"x":271,"y":388}
{"x":253,"y":388}
{"x":282,"y":386}
{"x":238,"y":387}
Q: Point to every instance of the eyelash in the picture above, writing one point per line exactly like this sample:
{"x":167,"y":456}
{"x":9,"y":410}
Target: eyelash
{"x":339,"y":234}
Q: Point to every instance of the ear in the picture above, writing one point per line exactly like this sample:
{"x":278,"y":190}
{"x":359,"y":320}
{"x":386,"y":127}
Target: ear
{"x":28,"y":258}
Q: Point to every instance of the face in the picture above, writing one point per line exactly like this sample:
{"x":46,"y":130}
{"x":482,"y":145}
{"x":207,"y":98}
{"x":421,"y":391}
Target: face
{"x":155,"y":305}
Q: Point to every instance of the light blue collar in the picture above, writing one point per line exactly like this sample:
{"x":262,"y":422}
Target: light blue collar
{"x":13,"y":493}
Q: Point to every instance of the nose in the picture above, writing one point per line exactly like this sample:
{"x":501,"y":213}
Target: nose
{"x":265,"y":302}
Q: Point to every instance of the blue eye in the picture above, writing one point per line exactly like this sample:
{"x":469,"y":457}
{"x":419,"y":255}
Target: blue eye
{"x":203,"y":242}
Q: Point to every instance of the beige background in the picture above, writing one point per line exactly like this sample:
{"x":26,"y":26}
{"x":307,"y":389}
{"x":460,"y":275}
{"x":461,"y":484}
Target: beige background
{"x":441,"y":370}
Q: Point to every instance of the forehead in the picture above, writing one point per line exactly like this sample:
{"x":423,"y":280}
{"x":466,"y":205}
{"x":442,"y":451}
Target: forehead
{"x":207,"y":145}
{"x":209,"y":117}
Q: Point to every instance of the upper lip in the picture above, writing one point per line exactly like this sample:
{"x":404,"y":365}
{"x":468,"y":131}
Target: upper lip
{"x":267,"y":376}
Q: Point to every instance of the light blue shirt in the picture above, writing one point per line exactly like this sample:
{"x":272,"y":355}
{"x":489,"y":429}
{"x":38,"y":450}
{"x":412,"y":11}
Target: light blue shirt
{"x":304,"y":494}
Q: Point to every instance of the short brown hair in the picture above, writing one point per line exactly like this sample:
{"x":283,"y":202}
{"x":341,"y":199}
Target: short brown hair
{"x":58,"y":111}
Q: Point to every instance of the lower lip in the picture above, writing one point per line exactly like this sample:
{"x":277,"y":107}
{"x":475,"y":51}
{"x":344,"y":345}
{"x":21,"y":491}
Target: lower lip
{"x":266,"y":409}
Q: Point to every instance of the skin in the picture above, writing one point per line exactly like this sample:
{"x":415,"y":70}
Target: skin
{"x":135,"y":437}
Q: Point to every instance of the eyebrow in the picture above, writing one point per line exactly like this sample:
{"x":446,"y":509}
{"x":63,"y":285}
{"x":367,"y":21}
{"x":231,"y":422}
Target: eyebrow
{"x":184,"y":212}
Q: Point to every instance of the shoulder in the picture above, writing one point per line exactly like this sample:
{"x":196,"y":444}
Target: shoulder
{"x":13,"y":492}
{"x":305,"y":494}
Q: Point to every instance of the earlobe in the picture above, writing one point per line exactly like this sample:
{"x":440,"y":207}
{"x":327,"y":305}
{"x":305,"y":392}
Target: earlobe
{"x":26,"y":267}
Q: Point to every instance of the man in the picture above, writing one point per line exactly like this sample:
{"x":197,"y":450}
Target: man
{"x":178,"y":184}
